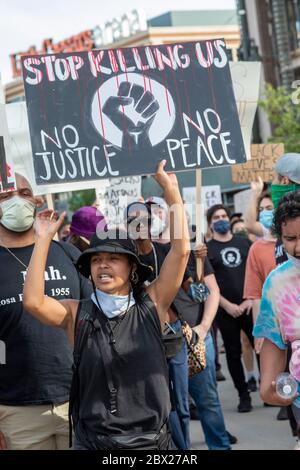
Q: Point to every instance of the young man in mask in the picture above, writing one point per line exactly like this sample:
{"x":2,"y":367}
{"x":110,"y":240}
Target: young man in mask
{"x":227,"y":255}
{"x":286,"y":178}
{"x":35,"y":380}
{"x":278,"y":320}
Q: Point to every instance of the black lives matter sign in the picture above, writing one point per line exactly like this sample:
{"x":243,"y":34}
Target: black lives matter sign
{"x":118,"y":112}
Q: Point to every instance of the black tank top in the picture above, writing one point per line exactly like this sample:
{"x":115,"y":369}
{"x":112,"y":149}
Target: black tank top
{"x":138,"y":368}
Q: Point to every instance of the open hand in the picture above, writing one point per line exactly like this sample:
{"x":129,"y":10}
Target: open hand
{"x":47,"y":223}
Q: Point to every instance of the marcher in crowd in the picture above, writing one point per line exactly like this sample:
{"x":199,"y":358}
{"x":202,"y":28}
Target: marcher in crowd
{"x":35,"y":381}
{"x":227,"y":254}
{"x":85,"y":222}
{"x":120,"y":385}
{"x":278,"y":320}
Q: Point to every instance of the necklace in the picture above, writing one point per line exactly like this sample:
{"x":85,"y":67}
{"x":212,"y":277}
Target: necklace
{"x":118,"y":321}
{"x":12,"y":254}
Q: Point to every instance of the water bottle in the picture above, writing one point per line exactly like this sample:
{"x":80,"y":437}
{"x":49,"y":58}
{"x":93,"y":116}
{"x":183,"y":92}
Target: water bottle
{"x":286,"y":386}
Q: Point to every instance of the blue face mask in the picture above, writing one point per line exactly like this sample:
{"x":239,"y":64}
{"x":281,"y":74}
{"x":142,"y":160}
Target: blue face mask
{"x":221,"y":226}
{"x":266,"y":218}
{"x":113,"y":305}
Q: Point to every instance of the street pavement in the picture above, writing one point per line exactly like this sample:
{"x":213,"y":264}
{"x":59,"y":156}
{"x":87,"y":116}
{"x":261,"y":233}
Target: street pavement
{"x":257,"y":430}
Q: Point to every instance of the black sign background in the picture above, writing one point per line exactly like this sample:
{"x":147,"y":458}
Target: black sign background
{"x":180,"y":115}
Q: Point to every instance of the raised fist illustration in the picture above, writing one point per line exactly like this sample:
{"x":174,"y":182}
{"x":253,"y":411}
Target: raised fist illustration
{"x":133,"y":112}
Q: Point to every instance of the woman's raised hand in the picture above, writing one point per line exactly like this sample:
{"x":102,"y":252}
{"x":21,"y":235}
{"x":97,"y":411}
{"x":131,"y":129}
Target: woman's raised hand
{"x":164,"y":179}
{"x":47,"y":223}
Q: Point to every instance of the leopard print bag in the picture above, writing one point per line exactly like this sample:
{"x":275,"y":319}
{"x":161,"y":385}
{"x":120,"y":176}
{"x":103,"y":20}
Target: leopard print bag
{"x":196,"y":350}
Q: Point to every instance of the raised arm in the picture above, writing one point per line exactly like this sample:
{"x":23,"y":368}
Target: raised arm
{"x":252,"y":225}
{"x":165,"y":287}
{"x":46,"y":309}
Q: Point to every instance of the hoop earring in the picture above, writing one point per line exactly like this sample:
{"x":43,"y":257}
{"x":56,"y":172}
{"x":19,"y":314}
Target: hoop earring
{"x":134,"y":277}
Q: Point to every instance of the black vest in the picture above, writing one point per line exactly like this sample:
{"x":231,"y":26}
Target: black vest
{"x":137,"y":367}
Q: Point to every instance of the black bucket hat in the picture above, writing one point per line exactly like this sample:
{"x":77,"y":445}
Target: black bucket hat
{"x":116,"y":241}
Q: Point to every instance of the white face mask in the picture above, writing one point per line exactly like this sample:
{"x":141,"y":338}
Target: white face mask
{"x":295,"y":261}
{"x":113,"y":305}
{"x":18,"y":214}
{"x":157,"y":226}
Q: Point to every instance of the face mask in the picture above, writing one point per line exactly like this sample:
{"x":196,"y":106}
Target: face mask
{"x":280,"y":190}
{"x":157,"y":226}
{"x":241,"y":233}
{"x":295,"y":261}
{"x":113,"y":305}
{"x":266,"y":218}
{"x":18,"y":214}
{"x":221,"y":226}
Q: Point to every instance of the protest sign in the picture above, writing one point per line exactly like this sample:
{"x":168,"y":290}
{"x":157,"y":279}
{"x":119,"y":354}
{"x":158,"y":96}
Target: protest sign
{"x":7,"y":176}
{"x":17,"y":120}
{"x":262,"y":164}
{"x":241,"y":200}
{"x":114,"y":195}
{"x":246,"y":82}
{"x":210,"y":195}
{"x":113,"y":113}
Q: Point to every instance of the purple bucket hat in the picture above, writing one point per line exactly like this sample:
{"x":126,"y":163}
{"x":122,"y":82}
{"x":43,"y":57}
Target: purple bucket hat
{"x":86,"y":221}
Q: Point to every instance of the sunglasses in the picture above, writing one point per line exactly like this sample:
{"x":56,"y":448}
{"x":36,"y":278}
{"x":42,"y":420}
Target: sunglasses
{"x":143,"y":220}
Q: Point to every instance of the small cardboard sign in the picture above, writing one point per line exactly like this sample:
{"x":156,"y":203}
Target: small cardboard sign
{"x":114,"y":195}
{"x":262,"y":163}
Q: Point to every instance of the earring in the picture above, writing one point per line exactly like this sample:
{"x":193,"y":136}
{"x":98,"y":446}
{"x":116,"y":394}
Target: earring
{"x":134,"y":277}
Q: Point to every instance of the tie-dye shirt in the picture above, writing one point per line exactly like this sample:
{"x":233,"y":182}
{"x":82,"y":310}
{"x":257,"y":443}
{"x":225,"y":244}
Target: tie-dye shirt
{"x":279,"y":316}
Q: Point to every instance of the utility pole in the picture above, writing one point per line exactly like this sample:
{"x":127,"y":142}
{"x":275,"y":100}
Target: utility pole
{"x":242,"y":15}
{"x":248,"y":51}
{"x":281,"y":29}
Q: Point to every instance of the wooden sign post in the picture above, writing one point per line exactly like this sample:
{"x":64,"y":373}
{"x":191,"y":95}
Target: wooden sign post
{"x":198,"y":220}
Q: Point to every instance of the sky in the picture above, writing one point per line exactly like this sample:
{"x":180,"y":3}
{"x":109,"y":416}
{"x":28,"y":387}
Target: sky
{"x":24,"y":23}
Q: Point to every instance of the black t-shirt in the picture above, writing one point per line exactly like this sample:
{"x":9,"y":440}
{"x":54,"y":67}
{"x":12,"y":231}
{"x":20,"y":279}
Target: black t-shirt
{"x":156,"y":258}
{"x":190,"y":311}
{"x":228,"y":260}
{"x":38,"y":357}
{"x":280,"y":254}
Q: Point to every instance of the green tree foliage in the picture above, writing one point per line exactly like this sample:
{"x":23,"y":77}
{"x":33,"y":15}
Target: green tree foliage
{"x":82,"y":198}
{"x":283,"y":112}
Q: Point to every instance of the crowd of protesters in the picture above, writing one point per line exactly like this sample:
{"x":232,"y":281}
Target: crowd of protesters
{"x":86,"y":320}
